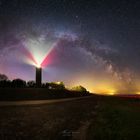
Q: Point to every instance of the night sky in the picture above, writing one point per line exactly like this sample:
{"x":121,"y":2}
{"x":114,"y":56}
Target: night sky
{"x":94,"y":43}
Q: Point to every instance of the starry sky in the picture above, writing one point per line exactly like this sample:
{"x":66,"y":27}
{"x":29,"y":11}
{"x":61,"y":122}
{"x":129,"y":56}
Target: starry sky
{"x":93,"y":43}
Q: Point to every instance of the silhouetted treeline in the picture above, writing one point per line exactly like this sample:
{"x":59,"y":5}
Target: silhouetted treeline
{"x":19,"y":89}
{"x":19,"y":83}
{"x":22,"y":84}
{"x":4,"y":82}
{"x":15,"y":83}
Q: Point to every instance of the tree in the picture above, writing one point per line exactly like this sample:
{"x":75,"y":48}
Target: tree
{"x":18,"y":83}
{"x":79,"y":88}
{"x":5,"y":83}
{"x":31,"y":84}
{"x":57,"y":85}
{"x":3,"y":77}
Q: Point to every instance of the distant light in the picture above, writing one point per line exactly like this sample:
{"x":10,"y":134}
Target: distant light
{"x":58,"y":83}
{"x":111,"y":93}
{"x":138,"y":92}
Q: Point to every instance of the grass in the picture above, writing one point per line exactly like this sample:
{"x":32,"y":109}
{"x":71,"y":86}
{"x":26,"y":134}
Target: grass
{"x":117,"y":119}
{"x":93,"y":118}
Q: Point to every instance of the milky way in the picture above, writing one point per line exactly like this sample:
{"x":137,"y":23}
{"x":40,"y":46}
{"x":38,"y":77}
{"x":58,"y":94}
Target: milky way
{"x":89,"y":43}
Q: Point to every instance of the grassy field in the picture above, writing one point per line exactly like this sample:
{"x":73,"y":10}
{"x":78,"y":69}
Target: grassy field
{"x":93,"y":118}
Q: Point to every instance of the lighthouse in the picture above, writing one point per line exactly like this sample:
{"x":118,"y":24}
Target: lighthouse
{"x":38,"y":76}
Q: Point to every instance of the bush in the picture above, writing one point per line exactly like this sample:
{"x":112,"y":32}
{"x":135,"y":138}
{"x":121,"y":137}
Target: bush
{"x":79,"y":89}
{"x":31,"y":84}
{"x":18,"y":83}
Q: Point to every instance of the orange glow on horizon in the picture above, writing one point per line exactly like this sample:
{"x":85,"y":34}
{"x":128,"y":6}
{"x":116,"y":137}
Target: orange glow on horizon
{"x":105,"y":86}
{"x":106,"y":91}
{"x":138,"y":92}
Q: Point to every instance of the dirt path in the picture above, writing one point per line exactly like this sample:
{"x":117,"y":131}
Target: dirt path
{"x":82,"y":131}
{"x":38,"y":102}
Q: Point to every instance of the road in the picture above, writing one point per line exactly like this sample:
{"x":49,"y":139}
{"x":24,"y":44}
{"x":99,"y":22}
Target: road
{"x":38,"y":102}
{"x":47,"y":119}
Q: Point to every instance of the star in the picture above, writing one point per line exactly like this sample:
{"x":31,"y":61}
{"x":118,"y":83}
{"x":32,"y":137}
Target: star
{"x":77,"y":16}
